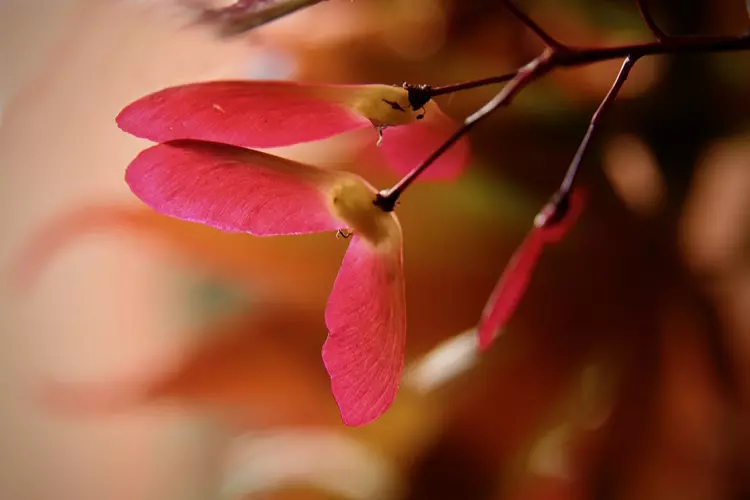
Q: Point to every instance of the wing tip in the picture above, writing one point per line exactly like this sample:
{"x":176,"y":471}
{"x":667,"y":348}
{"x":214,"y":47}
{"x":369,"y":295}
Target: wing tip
{"x":486,"y":336}
{"x":356,"y":410}
{"x":356,"y":414}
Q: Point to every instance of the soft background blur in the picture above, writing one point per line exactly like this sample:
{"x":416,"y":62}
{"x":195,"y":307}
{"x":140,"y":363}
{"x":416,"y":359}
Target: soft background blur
{"x":624,"y":374}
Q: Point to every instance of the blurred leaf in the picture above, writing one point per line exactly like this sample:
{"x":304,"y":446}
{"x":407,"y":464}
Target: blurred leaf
{"x":560,"y":460}
{"x":445,"y":362}
{"x":247,"y":371}
{"x":274,"y":265}
{"x":320,"y":460}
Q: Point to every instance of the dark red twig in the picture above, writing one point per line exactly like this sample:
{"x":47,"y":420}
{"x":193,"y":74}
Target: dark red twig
{"x":456,"y":87}
{"x":533,"y":26}
{"x":672,"y":45}
{"x":550,"y":60}
{"x":550,"y":226}
{"x":558,"y":204}
{"x":649,"y":20}
{"x":386,"y":199}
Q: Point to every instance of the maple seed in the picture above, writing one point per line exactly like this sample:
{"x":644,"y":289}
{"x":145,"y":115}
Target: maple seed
{"x":270,"y":114}
{"x":248,"y":191}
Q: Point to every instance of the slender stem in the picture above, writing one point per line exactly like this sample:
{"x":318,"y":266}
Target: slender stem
{"x":574,"y":56}
{"x":533,"y":26}
{"x":457,"y":87}
{"x":674,"y":45}
{"x":622,"y":76}
{"x":551,"y":211}
{"x":387,"y":198}
{"x":549,"y":60}
{"x":649,"y":20}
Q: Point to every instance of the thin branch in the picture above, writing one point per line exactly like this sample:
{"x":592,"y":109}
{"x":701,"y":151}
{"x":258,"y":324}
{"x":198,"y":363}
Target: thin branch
{"x":583,"y":56}
{"x":457,"y":87}
{"x":548,"y":61}
{"x":622,"y":76}
{"x":387,"y":198}
{"x":552,"y":210}
{"x":672,"y":45}
{"x":649,"y":20}
{"x":548,"y":39}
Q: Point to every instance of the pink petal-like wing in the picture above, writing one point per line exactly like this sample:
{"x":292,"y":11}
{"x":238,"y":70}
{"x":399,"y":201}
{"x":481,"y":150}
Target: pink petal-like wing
{"x":366,"y":319}
{"x":517,"y":274}
{"x":510,"y":288}
{"x":406,"y":146}
{"x":233,"y":189}
{"x":253,"y":114}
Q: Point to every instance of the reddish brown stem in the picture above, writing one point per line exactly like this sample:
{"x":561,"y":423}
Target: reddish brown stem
{"x":555,"y":209}
{"x":551,"y":42}
{"x":649,"y":20}
{"x":472,"y":84}
{"x":552,"y":59}
{"x":386,"y":199}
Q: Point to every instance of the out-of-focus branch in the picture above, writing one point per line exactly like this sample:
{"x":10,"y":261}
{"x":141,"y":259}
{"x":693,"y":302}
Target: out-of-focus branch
{"x":533,"y":26}
{"x":649,"y":20}
{"x":244,"y":15}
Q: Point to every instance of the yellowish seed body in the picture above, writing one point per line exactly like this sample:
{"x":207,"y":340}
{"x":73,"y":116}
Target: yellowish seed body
{"x":381,"y":104}
{"x":351,"y":201}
